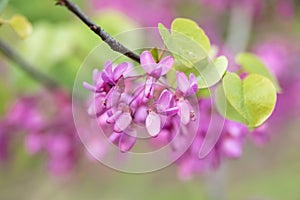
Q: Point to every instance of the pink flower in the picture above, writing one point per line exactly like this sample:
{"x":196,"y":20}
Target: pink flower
{"x":154,"y":70}
{"x":185,"y":88}
{"x":48,"y":129}
{"x":232,"y":139}
{"x":112,"y":76}
{"x":166,"y":107}
{"x":125,"y":140}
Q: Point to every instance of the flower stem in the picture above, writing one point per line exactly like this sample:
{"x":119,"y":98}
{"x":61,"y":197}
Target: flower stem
{"x":113,"y":43}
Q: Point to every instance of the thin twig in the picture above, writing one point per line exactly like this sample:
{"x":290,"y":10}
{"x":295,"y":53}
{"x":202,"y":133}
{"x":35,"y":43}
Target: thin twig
{"x":113,"y":43}
{"x":11,"y":54}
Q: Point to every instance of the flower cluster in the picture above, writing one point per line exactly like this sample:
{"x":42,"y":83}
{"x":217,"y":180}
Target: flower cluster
{"x":45,"y":119}
{"x":152,"y":104}
{"x":123,"y":101}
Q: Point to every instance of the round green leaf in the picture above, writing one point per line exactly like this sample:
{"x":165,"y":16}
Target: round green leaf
{"x":192,"y":30}
{"x":253,"y":99}
{"x":225,"y":108}
{"x":260,"y":98}
{"x":253,"y":64}
{"x":233,"y":89}
{"x":184,"y":49}
{"x":190,"y":56}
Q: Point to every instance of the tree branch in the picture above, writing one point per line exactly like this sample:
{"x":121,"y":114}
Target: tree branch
{"x":113,"y":43}
{"x":27,"y":67}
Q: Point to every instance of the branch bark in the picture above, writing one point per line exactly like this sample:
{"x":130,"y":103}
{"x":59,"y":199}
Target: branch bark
{"x":113,"y":43}
{"x":11,"y":54}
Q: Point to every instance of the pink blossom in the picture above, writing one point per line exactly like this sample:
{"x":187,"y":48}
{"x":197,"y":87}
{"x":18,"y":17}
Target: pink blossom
{"x":130,"y":101}
{"x":46,"y":120}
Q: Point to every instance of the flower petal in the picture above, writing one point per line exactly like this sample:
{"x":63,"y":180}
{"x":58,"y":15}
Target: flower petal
{"x":108,"y":67}
{"x":120,"y":70}
{"x":193,"y":83}
{"x":127,"y":141}
{"x":175,"y":121}
{"x":149,"y":86}
{"x":130,"y":71}
{"x":183,"y":82}
{"x":96,"y":75}
{"x":184,"y":112}
{"x":166,"y":64}
{"x":114,"y":137}
{"x":124,"y":121}
{"x":117,"y":129}
{"x":107,"y":74}
{"x":107,"y":78}
{"x":156,"y":72}
{"x":153,"y":123}
{"x":147,"y":62}
{"x":89,"y":87}
{"x":112,"y":119}
{"x":113,"y":97}
{"x":96,"y":107}
{"x":140,"y":114}
{"x":172,"y":111}
{"x":164,"y":100}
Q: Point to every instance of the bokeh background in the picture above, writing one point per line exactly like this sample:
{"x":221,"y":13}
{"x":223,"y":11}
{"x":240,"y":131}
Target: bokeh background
{"x":59,"y":43}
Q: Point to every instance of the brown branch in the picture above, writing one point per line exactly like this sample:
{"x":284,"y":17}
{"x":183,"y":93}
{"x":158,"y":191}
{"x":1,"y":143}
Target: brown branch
{"x":113,"y":43}
{"x":11,"y":54}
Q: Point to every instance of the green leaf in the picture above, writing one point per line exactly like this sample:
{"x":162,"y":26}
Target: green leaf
{"x":21,"y":26}
{"x":192,"y":30}
{"x":251,"y":101}
{"x":253,"y":64}
{"x":184,"y":49}
{"x":260,"y":98}
{"x":190,"y":56}
{"x":212,"y":73}
{"x":233,"y":90}
{"x":154,"y":53}
{"x":225,"y":108}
